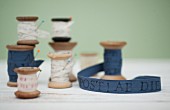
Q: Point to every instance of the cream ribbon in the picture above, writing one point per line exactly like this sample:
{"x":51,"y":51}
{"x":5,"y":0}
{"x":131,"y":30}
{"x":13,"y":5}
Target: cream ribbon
{"x":30,"y":31}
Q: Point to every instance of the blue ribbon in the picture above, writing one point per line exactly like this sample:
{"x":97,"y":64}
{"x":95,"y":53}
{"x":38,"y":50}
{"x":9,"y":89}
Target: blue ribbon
{"x":20,"y":59}
{"x":112,"y":66}
{"x":142,"y":84}
{"x":112,"y":62}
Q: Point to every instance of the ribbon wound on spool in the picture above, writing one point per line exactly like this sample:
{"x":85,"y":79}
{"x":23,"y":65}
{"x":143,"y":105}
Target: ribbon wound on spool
{"x":29,"y":31}
{"x":27,"y":82}
{"x":112,"y":62}
{"x":20,"y":59}
{"x":61,"y":29}
{"x":60,"y":68}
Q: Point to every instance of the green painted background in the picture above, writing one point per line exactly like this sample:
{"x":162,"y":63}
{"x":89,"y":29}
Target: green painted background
{"x":144,"y":24}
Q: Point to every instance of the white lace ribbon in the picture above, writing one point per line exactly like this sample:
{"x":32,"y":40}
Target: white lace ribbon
{"x":29,"y":31}
{"x":60,"y":69}
{"x":61,"y":29}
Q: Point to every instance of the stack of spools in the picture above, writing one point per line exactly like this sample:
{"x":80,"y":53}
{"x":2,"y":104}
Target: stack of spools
{"x":62,"y":58}
{"x":21,"y":59}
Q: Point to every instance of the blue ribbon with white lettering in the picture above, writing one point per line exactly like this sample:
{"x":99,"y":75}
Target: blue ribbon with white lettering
{"x":112,"y":66}
{"x":20,"y":59}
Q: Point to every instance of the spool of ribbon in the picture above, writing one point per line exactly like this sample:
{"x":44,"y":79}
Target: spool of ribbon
{"x":28,"y":31}
{"x":61,"y":27}
{"x":113,"y":60}
{"x":20,"y":56}
{"x":88,"y":59}
{"x":61,"y":66}
{"x":63,"y":48}
{"x":27,"y":82}
{"x":113,"y":81}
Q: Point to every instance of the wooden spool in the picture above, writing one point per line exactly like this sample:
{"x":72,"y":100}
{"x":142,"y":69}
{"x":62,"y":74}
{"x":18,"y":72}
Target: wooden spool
{"x":27,"y":19}
{"x":113,"y":45}
{"x":59,"y":85}
{"x":58,"y":46}
{"x":27,"y":71}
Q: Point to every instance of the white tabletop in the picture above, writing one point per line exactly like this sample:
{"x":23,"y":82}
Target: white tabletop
{"x":76,"y":98}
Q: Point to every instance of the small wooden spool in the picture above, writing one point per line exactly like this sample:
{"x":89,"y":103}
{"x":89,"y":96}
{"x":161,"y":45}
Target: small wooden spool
{"x":113,"y":45}
{"x":88,"y":59}
{"x":27,"y":19}
{"x":59,"y":85}
{"x":58,"y":46}
{"x":27,"y":71}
